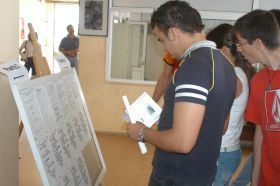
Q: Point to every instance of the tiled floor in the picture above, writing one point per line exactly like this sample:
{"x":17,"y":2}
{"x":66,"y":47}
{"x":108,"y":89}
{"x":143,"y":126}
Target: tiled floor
{"x":125,"y":164}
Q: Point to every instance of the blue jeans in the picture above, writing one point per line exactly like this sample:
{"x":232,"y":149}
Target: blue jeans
{"x":245,"y":175}
{"x":73,"y":61}
{"x":227,"y":164}
{"x":170,"y":181}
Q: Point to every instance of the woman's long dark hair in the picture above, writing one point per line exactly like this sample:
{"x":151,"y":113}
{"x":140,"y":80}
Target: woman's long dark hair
{"x":222,"y":35}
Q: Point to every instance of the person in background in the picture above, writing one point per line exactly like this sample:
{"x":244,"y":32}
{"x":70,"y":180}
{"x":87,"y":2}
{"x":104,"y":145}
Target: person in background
{"x":69,"y":46}
{"x":230,"y":152}
{"x":169,"y":68}
{"x":26,"y":53}
{"x":195,"y":108}
{"x":257,"y":35}
{"x":276,"y":12}
{"x":244,"y":177}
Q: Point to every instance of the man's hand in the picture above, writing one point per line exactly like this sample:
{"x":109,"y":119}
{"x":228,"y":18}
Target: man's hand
{"x":134,"y":129}
{"x":72,"y":53}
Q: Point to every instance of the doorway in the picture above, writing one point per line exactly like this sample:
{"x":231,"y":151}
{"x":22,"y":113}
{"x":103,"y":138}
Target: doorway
{"x":64,"y":14}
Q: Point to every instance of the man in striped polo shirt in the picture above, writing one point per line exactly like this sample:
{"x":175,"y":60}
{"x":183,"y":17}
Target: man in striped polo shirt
{"x":196,"y":102}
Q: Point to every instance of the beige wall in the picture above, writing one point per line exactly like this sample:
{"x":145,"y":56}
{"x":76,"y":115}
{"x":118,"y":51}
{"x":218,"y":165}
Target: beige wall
{"x":103,"y":98}
{"x":9,"y":29}
{"x":8,"y":110}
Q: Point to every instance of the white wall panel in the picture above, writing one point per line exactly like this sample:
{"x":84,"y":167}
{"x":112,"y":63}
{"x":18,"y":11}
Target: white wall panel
{"x":8,"y":111}
{"x":137,"y":3}
{"x":269,"y":4}
{"x":223,"y":5}
{"x":209,"y":5}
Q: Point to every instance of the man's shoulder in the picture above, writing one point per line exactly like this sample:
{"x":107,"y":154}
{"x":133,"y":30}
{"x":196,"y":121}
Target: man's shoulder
{"x":260,"y":75}
{"x":63,"y":39}
{"x":77,"y":39}
{"x":199,"y":59}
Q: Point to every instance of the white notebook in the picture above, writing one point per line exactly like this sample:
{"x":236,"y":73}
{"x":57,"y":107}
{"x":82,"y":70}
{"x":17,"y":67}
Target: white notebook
{"x":144,"y":110}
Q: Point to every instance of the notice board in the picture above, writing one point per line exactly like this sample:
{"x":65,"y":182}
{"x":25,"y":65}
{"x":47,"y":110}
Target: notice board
{"x":59,"y":130}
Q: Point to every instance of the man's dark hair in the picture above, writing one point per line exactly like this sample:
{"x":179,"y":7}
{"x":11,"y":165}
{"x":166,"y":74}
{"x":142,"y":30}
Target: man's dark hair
{"x":259,"y":24}
{"x":69,"y":27}
{"x":276,"y":12}
{"x":177,"y":14}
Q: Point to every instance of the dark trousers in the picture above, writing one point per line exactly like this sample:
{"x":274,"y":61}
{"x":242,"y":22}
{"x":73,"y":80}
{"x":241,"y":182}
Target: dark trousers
{"x":170,"y":181}
{"x":29,"y":64}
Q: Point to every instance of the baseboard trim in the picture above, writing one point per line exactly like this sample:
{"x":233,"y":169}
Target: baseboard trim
{"x":113,"y":133}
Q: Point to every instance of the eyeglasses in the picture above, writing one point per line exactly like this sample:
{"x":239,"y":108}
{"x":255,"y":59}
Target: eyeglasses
{"x":240,"y":44}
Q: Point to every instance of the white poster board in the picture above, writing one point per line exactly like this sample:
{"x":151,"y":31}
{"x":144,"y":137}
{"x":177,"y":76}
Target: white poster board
{"x":59,"y":129}
{"x":61,"y":63}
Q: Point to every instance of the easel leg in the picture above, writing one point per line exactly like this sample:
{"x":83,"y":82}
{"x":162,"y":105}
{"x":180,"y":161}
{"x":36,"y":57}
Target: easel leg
{"x":20,"y":128}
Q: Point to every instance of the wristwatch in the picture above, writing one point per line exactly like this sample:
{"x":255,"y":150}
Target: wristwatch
{"x":141,"y":136}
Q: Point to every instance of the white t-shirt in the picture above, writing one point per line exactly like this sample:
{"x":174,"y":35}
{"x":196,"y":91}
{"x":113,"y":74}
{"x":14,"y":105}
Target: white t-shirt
{"x":236,"y":120}
{"x":28,"y":47}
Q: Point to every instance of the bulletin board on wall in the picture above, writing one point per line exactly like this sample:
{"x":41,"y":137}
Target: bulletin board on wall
{"x":59,"y":130}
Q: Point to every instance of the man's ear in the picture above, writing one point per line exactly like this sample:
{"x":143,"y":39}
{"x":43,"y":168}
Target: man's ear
{"x":172,"y":34}
{"x":258,"y":43}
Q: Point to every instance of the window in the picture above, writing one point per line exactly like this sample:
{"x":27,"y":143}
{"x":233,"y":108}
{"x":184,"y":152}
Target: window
{"x":134,"y":54}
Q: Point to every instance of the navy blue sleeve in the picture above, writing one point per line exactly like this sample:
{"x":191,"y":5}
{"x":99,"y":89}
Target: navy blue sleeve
{"x":77,"y":42}
{"x":193,"y":80}
{"x":62,"y":45}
